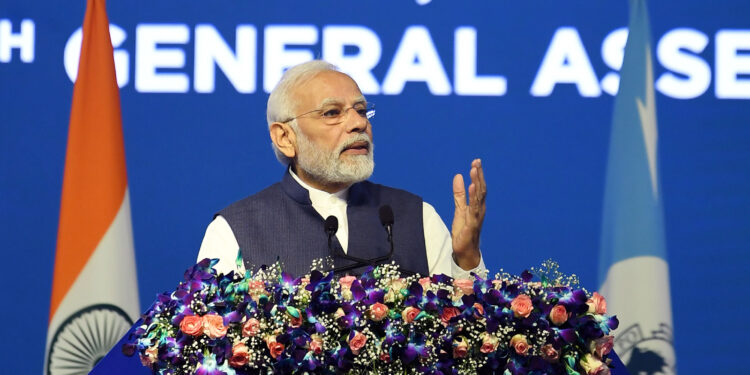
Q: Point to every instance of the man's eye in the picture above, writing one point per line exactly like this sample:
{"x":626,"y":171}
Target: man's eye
{"x":362,"y":112}
{"x":331,"y":113}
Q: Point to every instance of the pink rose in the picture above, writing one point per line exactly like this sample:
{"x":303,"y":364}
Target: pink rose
{"x":466,"y":286}
{"x":295,"y":322}
{"x":192,"y":325}
{"x":597,"y":304}
{"x":425,"y":283}
{"x":593,"y":366}
{"x":304,"y":282}
{"x":378,"y":311}
{"x":240,"y":355}
{"x":385,"y":357}
{"x":519,"y":343}
{"x":256,"y":289}
{"x":558,"y":315}
{"x":602,"y":346}
{"x":346,"y":281}
{"x":316,"y":344}
{"x":489,"y":343}
{"x":357,"y":342}
{"x":145,"y":361}
{"x":397,"y":285}
{"x":150,"y":356}
{"x":251,"y":327}
{"x":274,"y":347}
{"x":479,"y":310}
{"x":409,"y":314}
{"x":256,"y":286}
{"x":549,"y":353}
{"x":460,"y":348}
{"x":521,"y":306}
{"x":448,"y":313}
{"x":213,"y":326}
{"x":487,"y":348}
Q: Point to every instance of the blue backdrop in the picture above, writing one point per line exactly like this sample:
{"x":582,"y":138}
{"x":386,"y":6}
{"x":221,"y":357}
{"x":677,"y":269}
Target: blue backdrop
{"x":196,"y":139}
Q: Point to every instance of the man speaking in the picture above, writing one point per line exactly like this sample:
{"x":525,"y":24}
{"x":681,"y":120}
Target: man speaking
{"x":319,"y":123}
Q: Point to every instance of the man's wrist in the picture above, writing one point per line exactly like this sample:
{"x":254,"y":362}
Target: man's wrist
{"x":468,"y":261}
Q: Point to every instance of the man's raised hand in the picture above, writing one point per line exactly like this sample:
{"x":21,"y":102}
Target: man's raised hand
{"x":468,"y":217}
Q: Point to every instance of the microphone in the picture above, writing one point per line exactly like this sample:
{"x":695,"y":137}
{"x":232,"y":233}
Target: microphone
{"x":331,"y":226}
{"x":386,"y":218}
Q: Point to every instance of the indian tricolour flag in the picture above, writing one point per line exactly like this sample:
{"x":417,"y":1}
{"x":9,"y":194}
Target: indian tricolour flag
{"x":94,"y":292}
{"x":633,"y":264}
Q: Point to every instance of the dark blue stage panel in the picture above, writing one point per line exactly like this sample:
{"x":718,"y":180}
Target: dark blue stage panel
{"x":527,"y":86}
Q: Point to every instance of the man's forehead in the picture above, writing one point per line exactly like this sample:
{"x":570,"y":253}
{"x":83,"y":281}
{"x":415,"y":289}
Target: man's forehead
{"x":329,"y":87}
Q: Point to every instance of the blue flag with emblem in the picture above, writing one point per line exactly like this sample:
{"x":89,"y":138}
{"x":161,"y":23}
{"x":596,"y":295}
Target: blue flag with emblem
{"x":633,"y":271}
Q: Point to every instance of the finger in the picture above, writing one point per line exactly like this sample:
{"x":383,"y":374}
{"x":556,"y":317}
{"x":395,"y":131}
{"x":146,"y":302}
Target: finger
{"x":459,"y":198}
{"x":473,"y":218}
{"x":475,"y":194}
{"x":474,"y":202}
{"x":482,"y":184}
{"x":478,"y":179}
{"x":459,"y":191}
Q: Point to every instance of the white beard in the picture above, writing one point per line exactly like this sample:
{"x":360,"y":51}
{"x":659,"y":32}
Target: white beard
{"x":332,"y":167}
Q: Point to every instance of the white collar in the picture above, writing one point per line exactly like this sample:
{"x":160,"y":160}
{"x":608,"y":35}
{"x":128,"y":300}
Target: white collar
{"x":318,"y":196}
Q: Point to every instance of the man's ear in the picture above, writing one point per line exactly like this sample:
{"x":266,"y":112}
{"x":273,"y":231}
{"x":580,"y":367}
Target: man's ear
{"x":282,"y":135}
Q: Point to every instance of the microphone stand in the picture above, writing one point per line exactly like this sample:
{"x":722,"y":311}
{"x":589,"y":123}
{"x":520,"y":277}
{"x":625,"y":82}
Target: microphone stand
{"x":386,"y":218}
{"x":373,"y":262}
{"x":331,"y":226}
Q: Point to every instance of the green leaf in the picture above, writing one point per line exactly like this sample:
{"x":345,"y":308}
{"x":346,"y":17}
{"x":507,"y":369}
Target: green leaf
{"x":292,"y":311}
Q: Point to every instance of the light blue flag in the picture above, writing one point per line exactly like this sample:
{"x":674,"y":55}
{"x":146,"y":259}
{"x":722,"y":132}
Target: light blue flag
{"x":633,"y":262}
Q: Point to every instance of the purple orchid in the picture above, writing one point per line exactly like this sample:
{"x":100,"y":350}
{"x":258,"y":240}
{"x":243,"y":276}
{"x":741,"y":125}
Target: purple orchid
{"x":295,"y":325}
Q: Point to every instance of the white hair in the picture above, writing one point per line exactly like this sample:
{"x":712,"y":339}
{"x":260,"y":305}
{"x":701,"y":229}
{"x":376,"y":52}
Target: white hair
{"x":281,"y":105}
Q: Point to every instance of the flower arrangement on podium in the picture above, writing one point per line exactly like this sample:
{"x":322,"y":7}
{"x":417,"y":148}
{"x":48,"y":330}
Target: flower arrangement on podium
{"x":378,"y":323}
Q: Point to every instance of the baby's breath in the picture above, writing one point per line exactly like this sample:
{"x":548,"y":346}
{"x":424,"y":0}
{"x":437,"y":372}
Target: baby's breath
{"x":270,"y":318}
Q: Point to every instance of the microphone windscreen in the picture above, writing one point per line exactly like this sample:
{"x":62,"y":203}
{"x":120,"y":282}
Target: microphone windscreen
{"x":332,"y":224}
{"x":386,"y":215}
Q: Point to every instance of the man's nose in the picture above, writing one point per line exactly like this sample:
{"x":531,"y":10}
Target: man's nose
{"x":354,"y":122}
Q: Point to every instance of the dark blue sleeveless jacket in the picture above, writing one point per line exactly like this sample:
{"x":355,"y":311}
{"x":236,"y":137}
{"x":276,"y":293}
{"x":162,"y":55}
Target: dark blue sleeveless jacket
{"x":280,"y":223}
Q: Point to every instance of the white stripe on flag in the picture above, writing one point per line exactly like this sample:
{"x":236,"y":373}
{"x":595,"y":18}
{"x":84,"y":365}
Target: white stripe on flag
{"x":644,"y":310}
{"x":93,"y":309}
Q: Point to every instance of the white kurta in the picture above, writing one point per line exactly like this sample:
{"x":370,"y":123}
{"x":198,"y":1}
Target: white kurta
{"x":219,"y":241}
